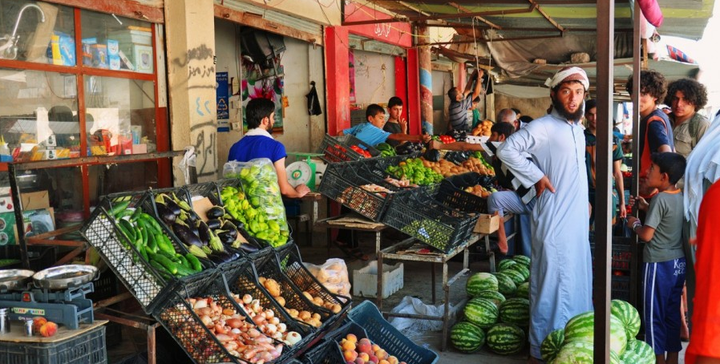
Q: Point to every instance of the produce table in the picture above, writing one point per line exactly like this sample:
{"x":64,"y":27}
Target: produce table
{"x":308,"y":219}
{"x":329,"y":223}
{"x":395,"y":252}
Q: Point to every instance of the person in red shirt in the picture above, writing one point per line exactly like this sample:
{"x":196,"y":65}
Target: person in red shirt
{"x":705,"y":338}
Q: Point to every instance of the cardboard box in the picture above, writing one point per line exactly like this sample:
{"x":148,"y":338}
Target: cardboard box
{"x":7,"y":228}
{"x":144,"y":59}
{"x":34,"y":200}
{"x":139,"y":148}
{"x":99,"y":55}
{"x":487,"y":224}
{"x":36,"y":222}
{"x":365,"y":280}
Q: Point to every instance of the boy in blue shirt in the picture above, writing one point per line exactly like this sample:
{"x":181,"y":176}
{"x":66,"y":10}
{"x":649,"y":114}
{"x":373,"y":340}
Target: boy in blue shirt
{"x":663,"y":256}
{"x":372,"y":133}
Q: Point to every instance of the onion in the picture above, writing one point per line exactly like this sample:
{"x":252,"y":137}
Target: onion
{"x":247,"y":299}
{"x":220,"y":329}
{"x":201,"y":303}
{"x":236,"y":331}
{"x":223,"y":338}
{"x":258,"y":319}
{"x":234,"y":323}
{"x":207,"y":321}
{"x":282,"y":327}
{"x":253,"y":333}
{"x":292,"y":338}
{"x":269,"y":314}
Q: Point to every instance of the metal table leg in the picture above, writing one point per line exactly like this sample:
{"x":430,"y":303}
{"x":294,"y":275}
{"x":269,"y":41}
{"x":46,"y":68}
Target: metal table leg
{"x":379,"y":296}
{"x":446,"y":314}
{"x":432,"y":281}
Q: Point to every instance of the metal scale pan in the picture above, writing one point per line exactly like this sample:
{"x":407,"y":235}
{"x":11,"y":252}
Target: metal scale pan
{"x":65,"y":276}
{"x":11,"y":279}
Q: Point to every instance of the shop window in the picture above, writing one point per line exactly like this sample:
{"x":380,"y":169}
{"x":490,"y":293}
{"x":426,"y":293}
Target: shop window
{"x":121,"y":177}
{"x":39,"y":32}
{"x":116,"y":43}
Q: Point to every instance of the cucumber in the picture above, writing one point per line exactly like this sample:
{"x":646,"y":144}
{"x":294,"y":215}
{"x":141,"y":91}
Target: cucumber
{"x":162,"y":270}
{"x":117,"y":209}
{"x":184,"y":271}
{"x":184,"y":261}
{"x":136,"y":214}
{"x":141,"y":249}
{"x":152,"y":244}
{"x":167,"y":263}
{"x":164,"y":244}
{"x":194,"y":262}
{"x":155,"y":225}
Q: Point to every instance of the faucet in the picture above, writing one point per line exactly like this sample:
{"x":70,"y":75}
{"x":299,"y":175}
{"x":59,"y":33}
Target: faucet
{"x":9,"y":49}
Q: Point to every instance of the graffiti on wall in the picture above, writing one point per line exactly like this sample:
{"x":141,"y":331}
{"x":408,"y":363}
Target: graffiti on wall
{"x":204,"y":138}
{"x":200,"y":73}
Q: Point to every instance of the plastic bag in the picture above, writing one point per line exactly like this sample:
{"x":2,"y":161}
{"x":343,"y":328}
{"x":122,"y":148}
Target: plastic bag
{"x":333,"y":274}
{"x":264,"y":213}
{"x":415,"y":327}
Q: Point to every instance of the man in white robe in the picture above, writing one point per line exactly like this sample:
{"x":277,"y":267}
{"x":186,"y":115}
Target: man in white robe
{"x":561,"y":270}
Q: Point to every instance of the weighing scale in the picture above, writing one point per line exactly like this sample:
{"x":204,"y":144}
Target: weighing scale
{"x":302,"y":171}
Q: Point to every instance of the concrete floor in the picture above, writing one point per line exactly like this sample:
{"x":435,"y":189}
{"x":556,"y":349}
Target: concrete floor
{"x":416,"y":284}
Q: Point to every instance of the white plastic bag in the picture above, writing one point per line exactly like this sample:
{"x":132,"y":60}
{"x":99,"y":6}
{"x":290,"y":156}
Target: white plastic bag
{"x":332,"y":274}
{"x":415,"y":327}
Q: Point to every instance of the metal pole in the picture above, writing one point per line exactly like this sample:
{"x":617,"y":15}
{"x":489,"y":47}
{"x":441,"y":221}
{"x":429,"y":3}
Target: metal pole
{"x":19,"y":223}
{"x":603,"y":212}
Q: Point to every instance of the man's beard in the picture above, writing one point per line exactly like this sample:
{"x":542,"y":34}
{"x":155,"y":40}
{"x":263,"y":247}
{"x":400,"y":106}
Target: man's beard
{"x":558,"y":105}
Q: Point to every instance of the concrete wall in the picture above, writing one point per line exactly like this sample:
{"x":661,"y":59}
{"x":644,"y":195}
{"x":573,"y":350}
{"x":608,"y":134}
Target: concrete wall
{"x":302,"y":64}
{"x":374,"y":78}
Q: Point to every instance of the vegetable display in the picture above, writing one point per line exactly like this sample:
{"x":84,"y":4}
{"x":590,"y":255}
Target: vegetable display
{"x":364,"y":153}
{"x":259,"y":207}
{"x":145,"y":234}
{"x":386,"y":150}
{"x":414,"y":170}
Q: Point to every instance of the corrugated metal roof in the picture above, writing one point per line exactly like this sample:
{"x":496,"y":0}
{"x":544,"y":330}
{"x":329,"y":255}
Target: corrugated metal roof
{"x":275,"y":16}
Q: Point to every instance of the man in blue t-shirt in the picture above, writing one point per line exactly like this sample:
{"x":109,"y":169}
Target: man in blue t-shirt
{"x":258,"y":143}
{"x":372,"y":133}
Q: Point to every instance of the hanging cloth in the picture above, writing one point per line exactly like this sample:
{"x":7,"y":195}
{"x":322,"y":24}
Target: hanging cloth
{"x":313,"y":103}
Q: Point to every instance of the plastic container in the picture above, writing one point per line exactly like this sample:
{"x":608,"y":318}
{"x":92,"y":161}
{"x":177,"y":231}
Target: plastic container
{"x":338,"y":149}
{"x":365,"y":280}
{"x":380,"y":332}
{"x":86,"y":348}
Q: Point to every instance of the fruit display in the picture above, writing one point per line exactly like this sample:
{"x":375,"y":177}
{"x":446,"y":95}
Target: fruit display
{"x":582,"y":328}
{"x":479,"y":282}
{"x":146,"y":235}
{"x":477,"y":163}
{"x":552,"y":344}
{"x":416,"y":171}
{"x":506,"y":286}
{"x":409,"y":148}
{"x":582,"y":352}
{"x":44,"y":327}
{"x":313,"y":319}
{"x":386,"y":150}
{"x":515,"y":311}
{"x":483,"y":129}
{"x":467,"y":337}
{"x":494,"y":296}
{"x":505,"y":339}
{"x":259,"y":207}
{"x":445,"y":139}
{"x":363,"y":351}
{"x":240,"y":338}
{"x":266,"y":321}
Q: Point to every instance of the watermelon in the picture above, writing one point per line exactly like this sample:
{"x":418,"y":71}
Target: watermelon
{"x":506,"y":286}
{"x":506,"y":264}
{"x":522,"y":269}
{"x":582,"y":326}
{"x":628,"y":315}
{"x":522,"y":260}
{"x":494,"y":296}
{"x":643,"y":350}
{"x":505,"y":339}
{"x":517,"y":277}
{"x":481,"y":312}
{"x":479,"y":282}
{"x":515,"y":311}
{"x":552,"y":344}
{"x":467,"y":337}
{"x":581,"y":352}
{"x":523,"y":290}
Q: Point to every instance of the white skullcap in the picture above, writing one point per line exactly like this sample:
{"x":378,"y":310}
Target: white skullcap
{"x":569,"y":74}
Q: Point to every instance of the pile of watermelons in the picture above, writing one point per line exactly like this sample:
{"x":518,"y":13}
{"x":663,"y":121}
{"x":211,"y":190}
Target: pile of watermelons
{"x":498,"y":312}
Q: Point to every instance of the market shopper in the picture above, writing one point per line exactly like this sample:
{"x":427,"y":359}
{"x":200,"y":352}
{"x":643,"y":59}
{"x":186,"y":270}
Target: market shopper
{"x":686,"y":97}
{"x":475,"y":109}
{"x":395,"y":124}
{"x":460,"y":102}
{"x":705,"y":341}
{"x":561,"y":274}
{"x":507,"y":116}
{"x":656,"y":134}
{"x":663,"y":257}
{"x":258,"y":143}
{"x":617,"y":157}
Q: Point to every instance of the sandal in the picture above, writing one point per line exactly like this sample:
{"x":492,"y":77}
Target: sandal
{"x":351,"y":252}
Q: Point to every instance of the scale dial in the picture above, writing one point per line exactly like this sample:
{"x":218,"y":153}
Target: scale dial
{"x":299,"y":173}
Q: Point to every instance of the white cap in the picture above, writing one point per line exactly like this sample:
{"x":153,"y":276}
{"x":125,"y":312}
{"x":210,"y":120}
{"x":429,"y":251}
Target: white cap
{"x":569,"y":74}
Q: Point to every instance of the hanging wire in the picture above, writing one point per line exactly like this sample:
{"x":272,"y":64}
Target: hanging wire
{"x":477,"y":61}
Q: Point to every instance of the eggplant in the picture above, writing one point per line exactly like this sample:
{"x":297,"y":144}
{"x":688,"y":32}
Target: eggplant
{"x":186,"y":235}
{"x":204,"y":233}
{"x":230,"y":228}
{"x":214,"y":224}
{"x":432,"y":155}
{"x":226,"y":237}
{"x":249,"y":248}
{"x":193,"y":217}
{"x":215,"y":212}
{"x":165,"y":213}
{"x":238,"y":224}
{"x":223,"y":257}
{"x":172,"y":205}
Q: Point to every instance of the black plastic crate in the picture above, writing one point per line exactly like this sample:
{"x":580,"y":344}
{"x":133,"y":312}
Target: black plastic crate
{"x":201,"y":345}
{"x":621,"y":253}
{"x":329,"y":351}
{"x":343,"y":183}
{"x":291,"y":265}
{"x":144,"y":282}
{"x":86,"y":348}
{"x":380,"y":332}
{"x":423,"y":214}
{"x":337,"y":149}
{"x":242,"y":279}
{"x":620,"y":288}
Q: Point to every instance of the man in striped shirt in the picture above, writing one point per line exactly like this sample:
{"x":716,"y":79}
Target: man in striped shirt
{"x":461,"y":101}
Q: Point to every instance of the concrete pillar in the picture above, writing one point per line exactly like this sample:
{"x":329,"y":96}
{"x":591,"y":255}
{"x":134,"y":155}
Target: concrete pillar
{"x":425,"y":63}
{"x":191,"y":83}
